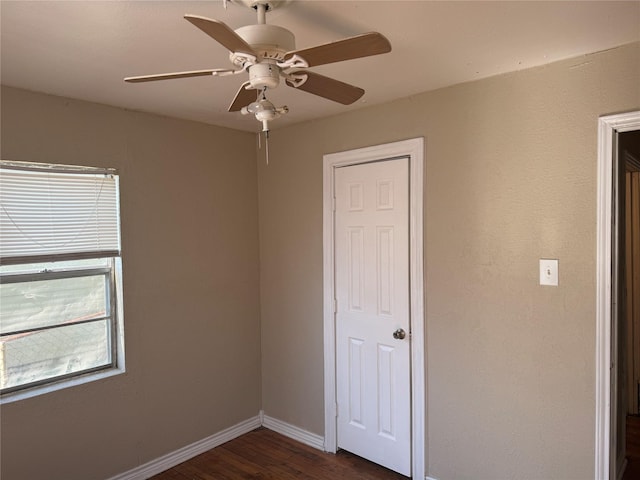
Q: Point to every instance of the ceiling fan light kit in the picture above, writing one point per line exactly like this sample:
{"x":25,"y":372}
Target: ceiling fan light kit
{"x":268,"y":53}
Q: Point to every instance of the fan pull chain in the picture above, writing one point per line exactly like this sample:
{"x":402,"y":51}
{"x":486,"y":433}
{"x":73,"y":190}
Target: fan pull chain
{"x":266,"y":143}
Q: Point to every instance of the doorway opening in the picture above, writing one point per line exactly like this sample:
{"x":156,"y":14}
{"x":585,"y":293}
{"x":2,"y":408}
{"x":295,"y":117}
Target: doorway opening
{"x":628,"y":308}
{"x":616,"y":346}
{"x":413,"y":150}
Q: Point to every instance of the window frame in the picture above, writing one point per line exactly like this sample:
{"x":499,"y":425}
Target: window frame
{"x":112,"y":270}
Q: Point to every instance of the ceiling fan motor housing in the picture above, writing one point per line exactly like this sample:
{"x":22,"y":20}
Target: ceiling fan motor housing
{"x":269,"y":41}
{"x":269,"y":4}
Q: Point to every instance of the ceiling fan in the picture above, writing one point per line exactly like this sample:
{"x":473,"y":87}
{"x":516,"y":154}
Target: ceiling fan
{"x":268,"y":53}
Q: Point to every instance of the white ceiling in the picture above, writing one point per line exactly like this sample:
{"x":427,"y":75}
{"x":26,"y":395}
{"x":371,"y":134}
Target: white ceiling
{"x":83,"y":49}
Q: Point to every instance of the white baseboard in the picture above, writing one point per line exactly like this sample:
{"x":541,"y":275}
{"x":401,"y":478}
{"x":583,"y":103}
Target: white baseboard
{"x":291,"y":431}
{"x":183,"y":454}
{"x":172,"y":459}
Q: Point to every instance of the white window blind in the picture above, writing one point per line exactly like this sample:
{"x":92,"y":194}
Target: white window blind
{"x":49,"y":215}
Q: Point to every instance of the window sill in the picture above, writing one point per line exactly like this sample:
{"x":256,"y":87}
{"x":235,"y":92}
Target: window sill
{"x":62,"y":384}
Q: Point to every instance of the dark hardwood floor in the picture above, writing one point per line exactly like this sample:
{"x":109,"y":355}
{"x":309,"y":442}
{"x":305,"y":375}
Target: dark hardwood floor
{"x":263,"y":454}
{"x":632,"y":471}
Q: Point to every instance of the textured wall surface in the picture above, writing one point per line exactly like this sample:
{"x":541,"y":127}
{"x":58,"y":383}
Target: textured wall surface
{"x":510,"y":178}
{"x":191,"y":300}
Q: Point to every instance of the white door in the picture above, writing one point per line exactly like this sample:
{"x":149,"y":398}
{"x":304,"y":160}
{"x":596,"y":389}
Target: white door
{"x":373,"y":377}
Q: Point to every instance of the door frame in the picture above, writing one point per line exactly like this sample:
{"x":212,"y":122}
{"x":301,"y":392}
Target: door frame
{"x":414,"y":150}
{"x":608,"y":128}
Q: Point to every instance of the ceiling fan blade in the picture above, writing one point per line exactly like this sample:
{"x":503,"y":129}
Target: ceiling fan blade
{"x":222,"y":33}
{"x":168,"y":76}
{"x":243,"y":98}
{"x":327,"y":87}
{"x":359,"y":46}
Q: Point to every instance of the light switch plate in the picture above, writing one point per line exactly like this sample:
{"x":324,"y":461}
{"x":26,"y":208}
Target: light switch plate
{"x":549,"y":272}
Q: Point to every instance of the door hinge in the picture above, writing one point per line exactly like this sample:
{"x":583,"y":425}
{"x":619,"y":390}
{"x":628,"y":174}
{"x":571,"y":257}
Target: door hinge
{"x":335,"y":409}
{"x":335,"y":305}
{"x":333,"y":203}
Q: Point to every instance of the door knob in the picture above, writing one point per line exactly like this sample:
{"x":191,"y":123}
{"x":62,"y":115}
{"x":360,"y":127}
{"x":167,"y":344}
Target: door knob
{"x":399,"y":334}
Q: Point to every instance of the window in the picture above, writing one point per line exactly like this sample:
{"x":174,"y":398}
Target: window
{"x":60,"y":276}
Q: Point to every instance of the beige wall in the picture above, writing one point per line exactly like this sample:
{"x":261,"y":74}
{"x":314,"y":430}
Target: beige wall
{"x":510,"y":178}
{"x":191,"y":300}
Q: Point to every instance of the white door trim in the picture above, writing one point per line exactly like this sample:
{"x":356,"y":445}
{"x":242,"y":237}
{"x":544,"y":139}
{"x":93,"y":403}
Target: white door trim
{"x":608,"y":126}
{"x":414,"y":149}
